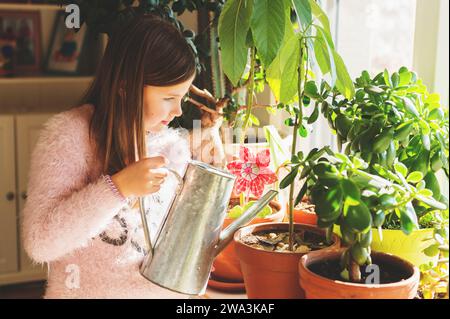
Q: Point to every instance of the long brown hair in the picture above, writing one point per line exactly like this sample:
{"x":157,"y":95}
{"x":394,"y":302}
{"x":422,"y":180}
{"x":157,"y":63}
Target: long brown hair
{"x":146,"y":51}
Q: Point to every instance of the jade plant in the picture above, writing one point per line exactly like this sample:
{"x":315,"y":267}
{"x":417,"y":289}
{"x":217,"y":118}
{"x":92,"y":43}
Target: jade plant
{"x":392,"y":116}
{"x":347,"y":194}
{"x":394,"y":124}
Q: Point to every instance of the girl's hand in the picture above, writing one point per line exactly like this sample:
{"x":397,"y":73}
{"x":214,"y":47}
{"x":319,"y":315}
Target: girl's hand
{"x":141,"y":178}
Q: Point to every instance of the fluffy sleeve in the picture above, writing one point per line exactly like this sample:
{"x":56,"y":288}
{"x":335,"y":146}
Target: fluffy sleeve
{"x":64,"y":211}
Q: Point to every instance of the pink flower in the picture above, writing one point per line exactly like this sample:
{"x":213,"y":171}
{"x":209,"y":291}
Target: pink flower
{"x":252,"y":171}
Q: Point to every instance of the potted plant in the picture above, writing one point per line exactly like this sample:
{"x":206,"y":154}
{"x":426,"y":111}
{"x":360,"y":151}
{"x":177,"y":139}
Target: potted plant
{"x":269,"y":256}
{"x":262,"y":30}
{"x":393,"y":118}
{"x":262,"y":33}
{"x":347,"y":194}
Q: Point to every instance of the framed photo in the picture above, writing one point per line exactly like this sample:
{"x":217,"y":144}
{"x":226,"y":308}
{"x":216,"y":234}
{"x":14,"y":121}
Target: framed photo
{"x":66,"y":48}
{"x":23,"y":28}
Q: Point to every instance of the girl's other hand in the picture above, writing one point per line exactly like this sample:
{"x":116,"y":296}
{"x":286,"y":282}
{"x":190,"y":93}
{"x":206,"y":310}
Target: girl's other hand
{"x":141,"y":178}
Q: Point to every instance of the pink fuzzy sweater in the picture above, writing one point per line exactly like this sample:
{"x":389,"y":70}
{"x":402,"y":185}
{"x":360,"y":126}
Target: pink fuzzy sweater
{"x":69,"y":205}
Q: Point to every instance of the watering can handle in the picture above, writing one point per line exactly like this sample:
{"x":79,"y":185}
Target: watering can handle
{"x":142,"y":209}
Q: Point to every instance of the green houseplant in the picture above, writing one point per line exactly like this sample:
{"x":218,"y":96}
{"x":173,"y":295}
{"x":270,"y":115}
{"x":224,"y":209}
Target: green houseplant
{"x":392,"y":118}
{"x":347,"y":194}
{"x":279,"y":52}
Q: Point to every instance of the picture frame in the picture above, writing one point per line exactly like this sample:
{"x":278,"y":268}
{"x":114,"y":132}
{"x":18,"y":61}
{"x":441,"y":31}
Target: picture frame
{"x":67,"y":48}
{"x":24,"y":29}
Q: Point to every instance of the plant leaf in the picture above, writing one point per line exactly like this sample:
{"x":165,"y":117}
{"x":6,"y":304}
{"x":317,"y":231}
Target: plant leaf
{"x":320,"y":15}
{"x":268,"y":28}
{"x":289,"y":178}
{"x":315,"y":114}
{"x":408,"y":218}
{"x":234,"y":23}
{"x":311,"y":90}
{"x":414,"y":177}
{"x":351,"y":191}
{"x":302,"y":193}
{"x":358,"y":218}
{"x":303,"y":11}
{"x":282,"y":73}
{"x":344,"y":82}
{"x":324,"y":55}
{"x":401,"y":168}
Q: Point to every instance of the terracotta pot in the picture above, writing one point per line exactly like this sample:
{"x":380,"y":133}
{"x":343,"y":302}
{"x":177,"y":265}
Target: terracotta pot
{"x":318,"y":287}
{"x":301,"y":216}
{"x":270,"y":274}
{"x":226,"y":264}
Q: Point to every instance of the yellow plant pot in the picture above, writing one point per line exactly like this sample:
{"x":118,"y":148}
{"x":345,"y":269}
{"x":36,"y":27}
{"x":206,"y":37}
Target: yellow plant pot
{"x":409,"y":247}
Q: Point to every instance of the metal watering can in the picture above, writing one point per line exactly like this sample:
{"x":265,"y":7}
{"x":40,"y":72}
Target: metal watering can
{"x":190,"y":234}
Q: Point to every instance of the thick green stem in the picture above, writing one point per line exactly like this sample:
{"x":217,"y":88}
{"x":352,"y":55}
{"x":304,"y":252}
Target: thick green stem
{"x":297,"y":124}
{"x":291,"y":191}
{"x":250,"y":89}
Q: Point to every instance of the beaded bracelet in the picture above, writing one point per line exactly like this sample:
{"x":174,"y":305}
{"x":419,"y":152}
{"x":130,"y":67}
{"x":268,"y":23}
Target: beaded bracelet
{"x":113,"y":187}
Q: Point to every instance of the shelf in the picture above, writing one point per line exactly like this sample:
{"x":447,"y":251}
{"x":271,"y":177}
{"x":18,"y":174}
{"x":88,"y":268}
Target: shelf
{"x":29,"y":6}
{"x":45,"y":79}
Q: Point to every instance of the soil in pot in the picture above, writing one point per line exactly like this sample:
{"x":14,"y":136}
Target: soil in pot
{"x":331,"y":270}
{"x":304,"y":241}
{"x":320,"y":279}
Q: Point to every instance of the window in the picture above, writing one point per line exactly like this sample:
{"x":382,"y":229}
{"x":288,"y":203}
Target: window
{"x":374,"y":34}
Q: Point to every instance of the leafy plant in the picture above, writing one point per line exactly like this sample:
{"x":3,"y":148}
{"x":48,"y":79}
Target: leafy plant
{"x":434,"y":281}
{"x":391,"y":116}
{"x":346,"y":194}
{"x":278,"y":43}
{"x":395,"y":124}
{"x":260,"y":44}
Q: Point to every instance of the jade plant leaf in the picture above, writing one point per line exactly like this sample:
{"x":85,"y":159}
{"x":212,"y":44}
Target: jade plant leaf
{"x":358,"y":218}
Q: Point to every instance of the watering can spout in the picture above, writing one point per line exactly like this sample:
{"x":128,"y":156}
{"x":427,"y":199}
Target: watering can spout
{"x":227,"y":234}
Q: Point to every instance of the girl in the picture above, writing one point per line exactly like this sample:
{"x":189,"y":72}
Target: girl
{"x":92,"y":162}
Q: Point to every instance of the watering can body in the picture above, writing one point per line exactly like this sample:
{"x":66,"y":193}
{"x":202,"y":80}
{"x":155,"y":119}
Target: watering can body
{"x":190,"y":235}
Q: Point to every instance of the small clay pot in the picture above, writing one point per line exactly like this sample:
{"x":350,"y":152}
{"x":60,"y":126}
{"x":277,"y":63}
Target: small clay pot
{"x":272,"y":274}
{"x":226,"y":264}
{"x":301,"y":216}
{"x":319,"y":287}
